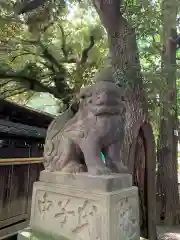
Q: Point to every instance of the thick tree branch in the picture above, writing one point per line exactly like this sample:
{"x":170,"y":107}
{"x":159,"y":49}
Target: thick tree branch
{"x":48,"y":26}
{"x":85,"y":52}
{"x":2,"y":85}
{"x":46,"y":54}
{"x":20,"y":55}
{"x":58,"y":75}
{"x":13,"y":93}
{"x":52,"y":60}
{"x":29,"y":83}
{"x":109,"y":12}
{"x":31,"y":5}
{"x":57,"y":14}
{"x":63,"y":46}
{"x":46,"y":64}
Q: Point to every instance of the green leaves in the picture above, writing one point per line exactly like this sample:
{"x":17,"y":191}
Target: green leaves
{"x":42,"y":50}
{"x":59,"y":58}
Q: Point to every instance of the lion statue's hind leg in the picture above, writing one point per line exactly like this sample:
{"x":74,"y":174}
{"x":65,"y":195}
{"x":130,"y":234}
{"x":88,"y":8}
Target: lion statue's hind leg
{"x":92,"y":155}
{"x":77,"y":164}
{"x":68,"y":158}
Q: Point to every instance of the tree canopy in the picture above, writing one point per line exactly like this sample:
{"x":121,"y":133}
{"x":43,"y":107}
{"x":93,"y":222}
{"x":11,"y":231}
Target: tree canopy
{"x":62,"y":58}
{"x":57,"y":47}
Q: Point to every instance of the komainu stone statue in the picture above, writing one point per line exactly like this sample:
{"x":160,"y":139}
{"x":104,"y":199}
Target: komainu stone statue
{"x":74,"y":142}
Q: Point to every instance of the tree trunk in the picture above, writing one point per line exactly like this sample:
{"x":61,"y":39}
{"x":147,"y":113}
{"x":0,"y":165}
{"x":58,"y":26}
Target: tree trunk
{"x":167,"y":180}
{"x":125,"y":61}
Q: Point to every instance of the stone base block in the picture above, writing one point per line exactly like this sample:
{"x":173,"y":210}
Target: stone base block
{"x":107,"y":210}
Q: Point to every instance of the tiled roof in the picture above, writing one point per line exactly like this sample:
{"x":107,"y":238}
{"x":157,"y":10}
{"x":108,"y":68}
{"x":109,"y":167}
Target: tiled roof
{"x":19,"y":129}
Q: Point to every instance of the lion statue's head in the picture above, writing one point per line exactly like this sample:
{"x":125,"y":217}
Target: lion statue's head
{"x":103,"y":97}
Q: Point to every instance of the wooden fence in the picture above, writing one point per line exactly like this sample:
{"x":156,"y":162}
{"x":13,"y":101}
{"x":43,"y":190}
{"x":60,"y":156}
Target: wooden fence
{"x":17,"y":176}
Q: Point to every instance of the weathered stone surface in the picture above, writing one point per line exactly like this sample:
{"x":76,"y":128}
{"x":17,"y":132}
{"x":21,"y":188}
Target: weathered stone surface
{"x":82,"y":214}
{"x":74,"y":142}
{"x":103,"y":183}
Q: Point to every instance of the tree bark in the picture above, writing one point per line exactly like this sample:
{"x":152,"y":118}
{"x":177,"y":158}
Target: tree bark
{"x":167,"y":180}
{"x":125,"y":61}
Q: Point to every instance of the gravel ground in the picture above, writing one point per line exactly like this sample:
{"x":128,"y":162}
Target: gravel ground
{"x":169,"y":233}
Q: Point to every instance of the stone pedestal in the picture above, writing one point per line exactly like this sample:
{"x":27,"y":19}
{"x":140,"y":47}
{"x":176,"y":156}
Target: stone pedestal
{"x":84,"y":207}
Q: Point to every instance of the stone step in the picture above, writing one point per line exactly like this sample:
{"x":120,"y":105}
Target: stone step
{"x":28,"y":234}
